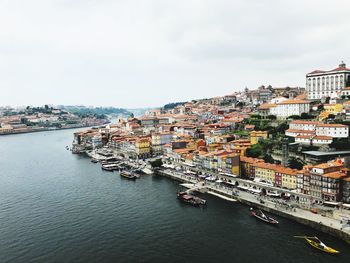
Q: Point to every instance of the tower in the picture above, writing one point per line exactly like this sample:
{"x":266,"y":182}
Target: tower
{"x":285,"y":149}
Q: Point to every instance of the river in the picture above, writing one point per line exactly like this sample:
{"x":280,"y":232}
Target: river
{"x":60,"y":207}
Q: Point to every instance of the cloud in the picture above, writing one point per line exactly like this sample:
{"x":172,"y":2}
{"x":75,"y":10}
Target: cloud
{"x":147,"y":53}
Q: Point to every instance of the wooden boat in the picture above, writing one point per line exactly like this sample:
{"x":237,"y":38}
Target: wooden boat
{"x":109,"y":167}
{"x":191,"y":199}
{"x":318,"y":244}
{"x":129,"y":175}
{"x":261,"y":216}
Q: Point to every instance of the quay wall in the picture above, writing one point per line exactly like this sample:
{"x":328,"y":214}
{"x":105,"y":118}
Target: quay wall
{"x":308,"y":222}
{"x":313,"y":224}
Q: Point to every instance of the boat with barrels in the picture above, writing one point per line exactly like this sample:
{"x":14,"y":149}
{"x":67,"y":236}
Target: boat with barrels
{"x":191,"y":199}
{"x":261,"y":216}
{"x":129,"y":175}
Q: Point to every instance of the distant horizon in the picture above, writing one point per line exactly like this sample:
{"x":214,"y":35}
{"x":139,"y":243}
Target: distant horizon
{"x":144,"y":107}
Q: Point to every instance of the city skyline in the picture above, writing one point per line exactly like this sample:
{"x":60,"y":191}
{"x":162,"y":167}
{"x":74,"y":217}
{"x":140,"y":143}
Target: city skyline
{"x":131,"y":55}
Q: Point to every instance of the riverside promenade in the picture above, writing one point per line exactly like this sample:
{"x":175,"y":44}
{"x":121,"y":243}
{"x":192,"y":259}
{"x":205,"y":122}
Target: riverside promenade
{"x":320,"y":222}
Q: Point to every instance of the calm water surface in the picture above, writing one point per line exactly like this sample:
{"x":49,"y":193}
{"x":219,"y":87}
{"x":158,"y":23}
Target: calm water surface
{"x":60,"y":207}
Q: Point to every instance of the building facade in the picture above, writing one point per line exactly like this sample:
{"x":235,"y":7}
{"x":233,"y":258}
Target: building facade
{"x":321,"y":84}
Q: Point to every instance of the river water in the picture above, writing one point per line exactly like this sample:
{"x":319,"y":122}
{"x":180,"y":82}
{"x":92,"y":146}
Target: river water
{"x":60,"y":207}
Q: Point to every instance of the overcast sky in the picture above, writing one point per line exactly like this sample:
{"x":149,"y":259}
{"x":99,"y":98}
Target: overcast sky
{"x":150,"y":52}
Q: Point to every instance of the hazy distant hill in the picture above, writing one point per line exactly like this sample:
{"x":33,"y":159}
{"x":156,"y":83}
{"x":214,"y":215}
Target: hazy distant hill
{"x":84,"y":110}
{"x":172,"y":105}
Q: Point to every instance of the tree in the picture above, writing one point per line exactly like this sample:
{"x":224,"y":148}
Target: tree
{"x":331,"y":116}
{"x":282,"y":127}
{"x":305,"y":116}
{"x":156,"y":163}
{"x":295,"y":163}
{"x":268,"y":158}
{"x":294,"y":117}
{"x":271,"y":117}
{"x":255,"y":116}
{"x":255,"y":151}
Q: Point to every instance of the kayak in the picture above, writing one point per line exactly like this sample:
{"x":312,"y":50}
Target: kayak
{"x":318,"y":244}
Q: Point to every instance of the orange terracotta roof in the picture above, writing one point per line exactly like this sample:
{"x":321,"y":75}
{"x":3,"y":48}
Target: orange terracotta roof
{"x":332,"y":125}
{"x":286,"y":102}
{"x":334,"y":175}
{"x":304,"y":122}
{"x":329,"y":164}
{"x":322,"y":138}
{"x":304,"y":136}
{"x":250,"y":159}
{"x":300,"y":131}
{"x":266,"y":106}
{"x":285,"y":170}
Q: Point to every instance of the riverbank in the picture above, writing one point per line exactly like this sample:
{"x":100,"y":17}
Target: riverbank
{"x":316,"y":221}
{"x":42,"y":129}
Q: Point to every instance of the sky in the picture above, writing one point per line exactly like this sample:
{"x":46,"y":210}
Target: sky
{"x":146,"y":53}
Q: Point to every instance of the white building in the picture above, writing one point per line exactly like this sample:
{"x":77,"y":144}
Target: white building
{"x":303,"y":125}
{"x":320,"y":83}
{"x":332,"y":130}
{"x":287,"y":108}
{"x":316,"y":133}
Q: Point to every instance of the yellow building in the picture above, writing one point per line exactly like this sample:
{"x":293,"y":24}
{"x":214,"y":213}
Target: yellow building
{"x":288,"y":178}
{"x":323,"y":115}
{"x":333,"y":108}
{"x":265,"y":171}
{"x":143,"y":147}
{"x":255,"y":136}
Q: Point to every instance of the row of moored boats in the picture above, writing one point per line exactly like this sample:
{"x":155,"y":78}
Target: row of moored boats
{"x":126,"y":170}
{"x":188,"y":198}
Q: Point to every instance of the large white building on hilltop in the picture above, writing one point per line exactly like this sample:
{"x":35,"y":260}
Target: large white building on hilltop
{"x":320,"y":83}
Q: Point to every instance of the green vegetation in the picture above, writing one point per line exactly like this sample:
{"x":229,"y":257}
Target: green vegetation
{"x":268,"y":158}
{"x":170,"y":106}
{"x":157,"y":163}
{"x":295,"y":163}
{"x":98,"y":112}
{"x":242,"y":133}
{"x":256,"y":151}
{"x":340,"y":144}
{"x":303,"y":116}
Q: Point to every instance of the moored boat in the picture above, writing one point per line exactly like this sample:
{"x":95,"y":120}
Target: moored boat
{"x":129,"y":175}
{"x":191,"y":199}
{"x":318,"y":244}
{"x":109,"y":167}
{"x":261,"y":216}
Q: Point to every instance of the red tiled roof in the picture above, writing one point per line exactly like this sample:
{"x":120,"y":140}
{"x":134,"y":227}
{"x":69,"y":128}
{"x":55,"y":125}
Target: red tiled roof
{"x":304,"y":122}
{"x":332,"y":125}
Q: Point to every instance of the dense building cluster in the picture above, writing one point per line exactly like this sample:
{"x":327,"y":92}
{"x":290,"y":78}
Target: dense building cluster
{"x":217,"y":135}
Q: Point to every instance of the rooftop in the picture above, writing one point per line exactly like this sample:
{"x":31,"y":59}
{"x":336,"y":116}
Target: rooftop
{"x":320,"y":153}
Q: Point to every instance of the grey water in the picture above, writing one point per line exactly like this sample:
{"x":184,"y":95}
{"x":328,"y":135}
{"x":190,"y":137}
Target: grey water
{"x":59,"y":207}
